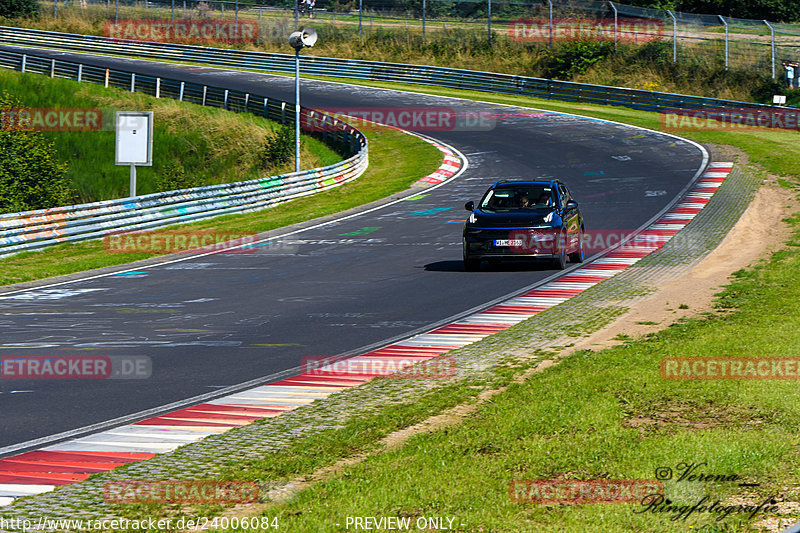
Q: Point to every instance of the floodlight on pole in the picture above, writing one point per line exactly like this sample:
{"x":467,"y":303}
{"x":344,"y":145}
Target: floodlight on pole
{"x":302,"y":38}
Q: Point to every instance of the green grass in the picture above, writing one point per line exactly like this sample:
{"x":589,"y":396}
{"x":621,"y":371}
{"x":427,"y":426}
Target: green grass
{"x":211,"y":145}
{"x":390,"y":171}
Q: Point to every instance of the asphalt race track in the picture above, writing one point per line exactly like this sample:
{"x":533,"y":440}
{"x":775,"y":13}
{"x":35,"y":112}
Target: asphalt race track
{"x":219,"y":320}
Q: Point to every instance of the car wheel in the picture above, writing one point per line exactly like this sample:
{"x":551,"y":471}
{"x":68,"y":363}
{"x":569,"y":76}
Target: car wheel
{"x":578,"y":256}
{"x":560,"y":260}
{"x":471,"y":264}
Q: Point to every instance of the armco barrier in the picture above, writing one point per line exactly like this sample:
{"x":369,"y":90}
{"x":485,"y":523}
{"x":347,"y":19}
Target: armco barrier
{"x":36,"y":229}
{"x":371,"y":70}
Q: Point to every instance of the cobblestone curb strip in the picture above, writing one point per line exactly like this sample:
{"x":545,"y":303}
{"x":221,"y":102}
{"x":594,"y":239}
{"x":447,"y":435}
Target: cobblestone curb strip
{"x":563,"y":309}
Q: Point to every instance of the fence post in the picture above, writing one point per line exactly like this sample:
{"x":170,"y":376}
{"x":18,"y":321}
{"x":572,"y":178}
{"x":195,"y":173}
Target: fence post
{"x":133,"y":82}
{"x":246,"y":101}
{"x":266,"y":107}
{"x":205,"y":90}
{"x":674,"y":36}
{"x":360,"y":9}
{"x":423,"y":19}
{"x":225,"y":100}
{"x":550,"y":6}
{"x":236,"y":12}
{"x":116,"y":11}
{"x":283,"y":112}
{"x":772,"y":46}
{"x":52,"y":68}
{"x":80,"y":72}
{"x":489,"y":19}
{"x":726,"y":40}
{"x":173,"y":10}
{"x":158,"y":87}
{"x":24,"y":60}
{"x":297,"y":17}
{"x":55,"y":9}
{"x":180,"y":96}
{"x":106,"y":81}
{"x":616,"y":25}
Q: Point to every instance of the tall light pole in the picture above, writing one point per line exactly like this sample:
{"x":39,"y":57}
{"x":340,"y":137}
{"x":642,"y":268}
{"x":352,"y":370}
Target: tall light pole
{"x":305,"y":37}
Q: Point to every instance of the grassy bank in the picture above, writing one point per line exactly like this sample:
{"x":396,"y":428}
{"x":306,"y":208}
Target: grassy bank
{"x":202,"y":145}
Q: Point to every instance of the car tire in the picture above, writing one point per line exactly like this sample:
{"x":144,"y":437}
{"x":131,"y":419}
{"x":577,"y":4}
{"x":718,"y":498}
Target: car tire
{"x":578,"y":256}
{"x":471,"y":264}
{"x":560,"y":260}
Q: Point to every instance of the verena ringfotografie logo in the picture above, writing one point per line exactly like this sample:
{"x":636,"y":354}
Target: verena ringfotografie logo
{"x":50,"y":119}
{"x":407,"y":118}
{"x":183,"y":31}
{"x":577,"y":29}
{"x":745,"y":119}
{"x":389,"y":367}
{"x":181,"y":492}
{"x":75,"y":367}
{"x":591,"y":491}
{"x":177,"y":241}
{"x":712,"y":368}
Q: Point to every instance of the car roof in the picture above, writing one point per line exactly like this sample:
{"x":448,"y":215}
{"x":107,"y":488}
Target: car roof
{"x":500,"y":183}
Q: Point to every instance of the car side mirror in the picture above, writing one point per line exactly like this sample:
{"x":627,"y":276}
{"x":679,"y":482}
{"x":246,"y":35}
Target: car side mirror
{"x":571,"y":204}
{"x":469,"y":206}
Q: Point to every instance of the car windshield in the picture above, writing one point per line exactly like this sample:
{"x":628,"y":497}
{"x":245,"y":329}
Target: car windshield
{"x":520,"y":198}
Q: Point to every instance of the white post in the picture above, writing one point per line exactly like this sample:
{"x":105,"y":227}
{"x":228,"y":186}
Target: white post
{"x":24,"y":61}
{"x":133,"y":180}
{"x":180,"y":96}
{"x":616,"y":25}
{"x":674,"y":36}
{"x":80,"y":72}
{"x":726,"y":39}
{"x":133,"y":82}
{"x":772,"y":47}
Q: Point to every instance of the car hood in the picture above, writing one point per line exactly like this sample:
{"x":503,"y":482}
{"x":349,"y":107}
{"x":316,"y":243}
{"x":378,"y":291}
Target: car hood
{"x":512,"y":219}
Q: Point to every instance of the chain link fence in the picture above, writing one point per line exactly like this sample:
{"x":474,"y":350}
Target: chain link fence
{"x":755,"y":45}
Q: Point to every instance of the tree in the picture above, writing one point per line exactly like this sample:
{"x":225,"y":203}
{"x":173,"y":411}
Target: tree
{"x":31,"y":177}
{"x":19,"y":8}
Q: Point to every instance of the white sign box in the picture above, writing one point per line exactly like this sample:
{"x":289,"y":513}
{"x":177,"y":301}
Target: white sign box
{"x":134,"y":144}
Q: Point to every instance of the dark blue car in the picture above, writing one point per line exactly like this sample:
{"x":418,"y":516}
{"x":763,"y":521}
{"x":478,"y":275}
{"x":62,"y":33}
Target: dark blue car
{"x":524,"y":219}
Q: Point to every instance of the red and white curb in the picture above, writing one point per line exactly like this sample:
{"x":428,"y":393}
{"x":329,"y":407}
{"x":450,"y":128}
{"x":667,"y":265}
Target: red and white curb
{"x":72,"y":461}
{"x":451,"y":164}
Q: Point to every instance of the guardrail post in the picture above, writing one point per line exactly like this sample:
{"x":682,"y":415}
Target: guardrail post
{"x":80,"y":72}
{"x":133,"y":82}
{"x":726,"y":39}
{"x":674,"y":36}
{"x":106,"y":80}
{"x":246,"y":100}
{"x":225,"y":100}
{"x":266,"y":107}
{"x":616,"y":25}
{"x":205,"y":91}
{"x":158,"y":87}
{"x":772,"y":46}
{"x":180,"y":96}
{"x":24,"y":60}
{"x":283,"y":112}
{"x":53,"y":68}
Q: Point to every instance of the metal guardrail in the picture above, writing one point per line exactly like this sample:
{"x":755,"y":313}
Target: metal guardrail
{"x":374,"y":71}
{"x":36,"y":229}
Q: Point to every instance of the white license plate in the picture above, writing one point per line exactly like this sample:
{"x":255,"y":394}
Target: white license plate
{"x":508,"y":242}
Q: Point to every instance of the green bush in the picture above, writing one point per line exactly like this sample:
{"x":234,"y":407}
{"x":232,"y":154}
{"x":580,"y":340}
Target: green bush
{"x":571,"y":59}
{"x":278,"y":149}
{"x":173,"y":178}
{"x":19,"y":8}
{"x":31,"y":177}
